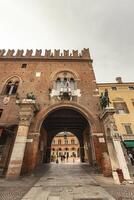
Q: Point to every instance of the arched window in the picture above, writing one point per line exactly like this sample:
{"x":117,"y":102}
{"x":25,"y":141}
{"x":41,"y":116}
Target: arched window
{"x":72,"y":141}
{"x":66,"y":141}
{"x":58,"y":84}
{"x":73,"y":149}
{"x":11,"y":86}
{"x":65,"y":81}
{"x":72,"y":84}
{"x":59,"y":141}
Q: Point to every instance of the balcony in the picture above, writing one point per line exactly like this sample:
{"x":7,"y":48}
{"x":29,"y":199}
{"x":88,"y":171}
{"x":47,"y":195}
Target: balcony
{"x":65,"y":93}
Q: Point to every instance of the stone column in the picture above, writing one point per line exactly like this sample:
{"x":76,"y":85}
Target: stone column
{"x":92,"y":149}
{"x":27,"y":108}
{"x":115,"y":150}
{"x":31,"y":151}
{"x":121,"y":157}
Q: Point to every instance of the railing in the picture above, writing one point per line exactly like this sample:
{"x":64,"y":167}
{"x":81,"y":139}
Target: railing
{"x":65,"y":90}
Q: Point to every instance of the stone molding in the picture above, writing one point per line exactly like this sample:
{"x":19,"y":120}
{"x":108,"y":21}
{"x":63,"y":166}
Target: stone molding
{"x":98,"y":134}
{"x":34,"y":134}
{"x":107,"y":112}
{"x":69,"y":104}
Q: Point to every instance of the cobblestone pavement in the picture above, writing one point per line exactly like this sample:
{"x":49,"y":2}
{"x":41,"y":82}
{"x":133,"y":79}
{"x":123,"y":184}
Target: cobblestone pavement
{"x":67,"y":182}
{"x":13,"y":190}
{"x":16,"y":189}
{"x":119,"y":192}
{"x":60,"y":181}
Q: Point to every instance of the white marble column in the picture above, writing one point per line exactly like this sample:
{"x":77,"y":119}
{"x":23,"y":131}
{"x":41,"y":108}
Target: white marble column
{"x":114,"y":145}
{"x":121,"y":159}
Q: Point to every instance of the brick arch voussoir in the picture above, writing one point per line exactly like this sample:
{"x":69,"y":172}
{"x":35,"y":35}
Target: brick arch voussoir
{"x":40,"y":117}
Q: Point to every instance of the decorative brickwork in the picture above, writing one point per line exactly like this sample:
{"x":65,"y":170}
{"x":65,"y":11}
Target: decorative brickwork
{"x":64,"y":87}
{"x":11,"y":53}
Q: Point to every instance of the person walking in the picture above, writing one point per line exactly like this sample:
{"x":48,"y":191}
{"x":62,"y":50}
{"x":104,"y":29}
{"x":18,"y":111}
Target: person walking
{"x":131,"y":158}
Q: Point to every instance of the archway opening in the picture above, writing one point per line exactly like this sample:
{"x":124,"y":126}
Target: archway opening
{"x":65,"y":148}
{"x":65,"y":119}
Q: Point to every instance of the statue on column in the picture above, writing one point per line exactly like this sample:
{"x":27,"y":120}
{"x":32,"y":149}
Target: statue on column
{"x":104,"y":99}
{"x":30,"y":96}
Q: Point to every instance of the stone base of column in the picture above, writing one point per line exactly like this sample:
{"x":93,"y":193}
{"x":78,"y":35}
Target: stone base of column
{"x":30,"y":156}
{"x":102,"y":157}
{"x":14,"y":170}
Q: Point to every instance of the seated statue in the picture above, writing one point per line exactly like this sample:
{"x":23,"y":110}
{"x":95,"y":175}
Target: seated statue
{"x":30,"y":96}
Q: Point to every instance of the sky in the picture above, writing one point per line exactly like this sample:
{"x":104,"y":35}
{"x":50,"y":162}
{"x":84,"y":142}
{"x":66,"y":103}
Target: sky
{"x":106,"y":27}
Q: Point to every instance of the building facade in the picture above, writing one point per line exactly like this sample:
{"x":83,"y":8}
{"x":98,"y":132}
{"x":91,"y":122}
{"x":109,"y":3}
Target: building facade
{"x":42,"y":95}
{"x":121,"y":97}
{"x":65,"y":144}
{"x":47,"y":93}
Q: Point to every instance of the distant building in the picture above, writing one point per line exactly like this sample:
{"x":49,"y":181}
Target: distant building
{"x":67,"y":145}
{"x":121,"y":95}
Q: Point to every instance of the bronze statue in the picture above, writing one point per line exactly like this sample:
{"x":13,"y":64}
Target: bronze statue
{"x":30,"y":96}
{"x":104,"y":99}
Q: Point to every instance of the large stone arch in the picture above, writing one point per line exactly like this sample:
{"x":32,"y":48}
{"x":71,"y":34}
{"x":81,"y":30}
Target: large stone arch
{"x":44,"y":112}
{"x":91,"y":132}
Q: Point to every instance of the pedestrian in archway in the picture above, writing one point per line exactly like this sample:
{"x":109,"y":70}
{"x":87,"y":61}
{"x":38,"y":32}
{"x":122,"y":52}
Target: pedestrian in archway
{"x":131,"y":158}
{"x":61,"y":158}
{"x":57,"y":161}
{"x":67,"y":156}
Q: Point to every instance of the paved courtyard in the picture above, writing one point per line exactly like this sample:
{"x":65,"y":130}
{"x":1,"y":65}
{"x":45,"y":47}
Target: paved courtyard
{"x":64,"y":182}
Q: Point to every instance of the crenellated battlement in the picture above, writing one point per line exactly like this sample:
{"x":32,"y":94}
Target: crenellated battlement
{"x":47,"y":54}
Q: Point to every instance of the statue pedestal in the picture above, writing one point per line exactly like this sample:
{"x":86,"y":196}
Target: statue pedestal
{"x":115,"y":150}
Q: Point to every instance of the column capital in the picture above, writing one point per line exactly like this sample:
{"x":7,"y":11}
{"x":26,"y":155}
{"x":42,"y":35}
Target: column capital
{"x":108,"y":111}
{"x":26,"y":111}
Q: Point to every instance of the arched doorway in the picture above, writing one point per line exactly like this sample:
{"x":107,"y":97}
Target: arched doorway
{"x":65,"y":148}
{"x":60,"y":120}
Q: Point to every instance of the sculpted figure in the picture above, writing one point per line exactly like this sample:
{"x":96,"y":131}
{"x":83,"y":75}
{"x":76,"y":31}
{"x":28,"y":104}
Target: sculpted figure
{"x":104,"y":99}
{"x":30,"y":96}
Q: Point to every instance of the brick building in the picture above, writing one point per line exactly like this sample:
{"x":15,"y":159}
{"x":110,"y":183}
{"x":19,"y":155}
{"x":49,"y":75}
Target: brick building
{"x":42,"y":95}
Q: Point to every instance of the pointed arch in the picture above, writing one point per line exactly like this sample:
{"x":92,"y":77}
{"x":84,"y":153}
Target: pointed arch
{"x":11,"y":85}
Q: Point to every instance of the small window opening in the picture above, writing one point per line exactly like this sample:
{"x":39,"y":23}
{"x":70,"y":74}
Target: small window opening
{"x":128,"y":129}
{"x":131,"y":87}
{"x":114,"y":88}
{"x":121,"y":108}
{"x":24,"y":65}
